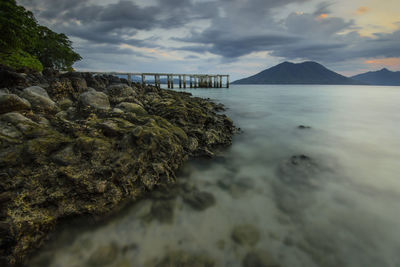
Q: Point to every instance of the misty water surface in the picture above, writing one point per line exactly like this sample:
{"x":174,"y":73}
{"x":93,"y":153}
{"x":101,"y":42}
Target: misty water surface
{"x":328,"y":195}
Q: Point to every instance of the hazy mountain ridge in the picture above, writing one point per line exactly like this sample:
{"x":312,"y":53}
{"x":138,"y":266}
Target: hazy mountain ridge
{"x":380,"y":77}
{"x":308,"y":72}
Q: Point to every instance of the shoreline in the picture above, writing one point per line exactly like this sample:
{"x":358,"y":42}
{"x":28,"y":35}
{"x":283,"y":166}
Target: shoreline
{"x":77,"y":144}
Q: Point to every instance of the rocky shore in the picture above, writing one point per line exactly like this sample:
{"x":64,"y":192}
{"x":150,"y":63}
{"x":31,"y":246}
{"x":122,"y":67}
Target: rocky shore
{"x":76,"y":144}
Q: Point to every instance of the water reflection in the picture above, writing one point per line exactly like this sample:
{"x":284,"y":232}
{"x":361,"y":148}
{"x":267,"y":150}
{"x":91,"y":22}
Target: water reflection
{"x":280,"y":196}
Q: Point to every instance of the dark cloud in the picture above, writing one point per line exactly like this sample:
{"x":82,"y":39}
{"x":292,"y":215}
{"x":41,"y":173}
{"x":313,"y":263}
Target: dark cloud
{"x":228,"y":28}
{"x":251,"y":28}
{"x":231,"y":47}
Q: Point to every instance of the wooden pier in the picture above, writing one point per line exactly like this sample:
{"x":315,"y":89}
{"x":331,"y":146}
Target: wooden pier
{"x":190,"y":80}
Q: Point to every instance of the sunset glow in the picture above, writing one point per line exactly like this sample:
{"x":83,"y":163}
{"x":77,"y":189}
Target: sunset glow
{"x":393,"y":62}
{"x":362,"y":10}
{"x":323,"y":16}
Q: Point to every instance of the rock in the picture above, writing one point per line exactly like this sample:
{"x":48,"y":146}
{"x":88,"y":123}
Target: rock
{"x":5,"y":196}
{"x":121,"y":93}
{"x":236,"y":187}
{"x":297,"y":179}
{"x":186,"y":259}
{"x":93,"y":100}
{"x":39,"y":99}
{"x":10,"y":78}
{"x":60,"y":89}
{"x":199,"y":200}
{"x":79,"y":85}
{"x":8,"y":130}
{"x":245,"y":234}
{"x":4,"y":91}
{"x":65,"y":103}
{"x":259,"y":259}
{"x":117,"y":111}
{"x":104,"y":255}
{"x":19,"y":121}
{"x":37,"y":91}
{"x":11,"y":102}
{"x":220,"y":244}
{"x":193,"y":143}
{"x":115,"y":127}
{"x":299,"y":170}
{"x":123,"y":263}
{"x":50,"y":72}
{"x":132,"y":107}
{"x":66,"y":156}
{"x":163,"y":211}
{"x":120,"y":90}
{"x":75,"y":163}
{"x":303,"y":127}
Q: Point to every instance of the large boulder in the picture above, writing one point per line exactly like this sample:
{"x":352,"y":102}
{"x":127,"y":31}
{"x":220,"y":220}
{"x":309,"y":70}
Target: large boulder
{"x":39,"y":99}
{"x":93,"y":100}
{"x":11,"y":102}
{"x":120,"y":92}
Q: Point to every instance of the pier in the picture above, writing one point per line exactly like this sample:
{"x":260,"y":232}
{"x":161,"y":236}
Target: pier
{"x":184,"y":80}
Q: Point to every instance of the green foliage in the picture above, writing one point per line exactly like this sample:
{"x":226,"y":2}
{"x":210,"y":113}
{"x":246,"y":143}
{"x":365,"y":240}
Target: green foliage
{"x":54,"y":50}
{"x":18,"y":27}
{"x":19,"y":59}
{"x":24,"y":41}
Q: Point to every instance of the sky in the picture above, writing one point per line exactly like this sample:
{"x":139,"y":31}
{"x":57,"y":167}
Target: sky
{"x":236,"y":37}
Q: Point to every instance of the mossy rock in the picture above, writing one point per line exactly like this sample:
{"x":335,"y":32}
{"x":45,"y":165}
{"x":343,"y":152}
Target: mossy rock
{"x":132,"y":107}
{"x":39,"y":99}
{"x":11,"y":102}
{"x":259,"y":258}
{"x":186,"y":259}
{"x":245,"y":234}
{"x":104,"y":255}
{"x":199,"y":200}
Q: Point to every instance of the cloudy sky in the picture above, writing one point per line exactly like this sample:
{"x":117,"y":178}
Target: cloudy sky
{"x":238,"y":37}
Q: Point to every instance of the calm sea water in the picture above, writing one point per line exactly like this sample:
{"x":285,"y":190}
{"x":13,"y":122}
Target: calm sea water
{"x":328,"y":195}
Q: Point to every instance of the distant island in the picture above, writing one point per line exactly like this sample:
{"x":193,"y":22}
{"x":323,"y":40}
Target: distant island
{"x":310,"y":72}
{"x":380,"y":77}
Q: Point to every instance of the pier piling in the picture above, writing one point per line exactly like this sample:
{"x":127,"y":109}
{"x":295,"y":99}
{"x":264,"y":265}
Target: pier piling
{"x":195,"y":80}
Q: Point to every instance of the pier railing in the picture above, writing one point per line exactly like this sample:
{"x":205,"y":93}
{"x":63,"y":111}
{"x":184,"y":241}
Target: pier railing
{"x":194,"y":80}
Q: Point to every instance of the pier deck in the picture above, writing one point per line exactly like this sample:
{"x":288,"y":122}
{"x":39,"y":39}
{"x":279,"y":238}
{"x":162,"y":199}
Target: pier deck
{"x":194,"y":80}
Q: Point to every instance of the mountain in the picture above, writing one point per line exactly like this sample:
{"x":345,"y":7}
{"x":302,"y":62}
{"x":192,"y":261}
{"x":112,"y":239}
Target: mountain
{"x":380,"y":77}
{"x":301,"y":73}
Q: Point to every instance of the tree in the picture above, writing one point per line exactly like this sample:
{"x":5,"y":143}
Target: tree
{"x":18,"y":27}
{"x":54,"y":50}
{"x":23,"y":41}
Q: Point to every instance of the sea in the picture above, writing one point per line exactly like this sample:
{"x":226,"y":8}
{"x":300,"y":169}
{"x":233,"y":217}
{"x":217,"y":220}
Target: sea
{"x":314,"y":173}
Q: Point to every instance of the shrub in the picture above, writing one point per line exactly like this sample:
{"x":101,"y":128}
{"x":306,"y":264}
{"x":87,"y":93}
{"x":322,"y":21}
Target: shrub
{"x":18,"y":59}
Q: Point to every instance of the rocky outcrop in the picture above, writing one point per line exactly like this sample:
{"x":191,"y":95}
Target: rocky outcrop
{"x":82,"y":151}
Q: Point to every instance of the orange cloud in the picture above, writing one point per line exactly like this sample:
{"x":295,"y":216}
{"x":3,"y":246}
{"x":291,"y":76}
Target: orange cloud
{"x":323,"y":16}
{"x":389,"y":62}
{"x":362,"y":10}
